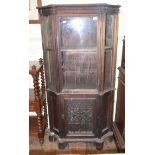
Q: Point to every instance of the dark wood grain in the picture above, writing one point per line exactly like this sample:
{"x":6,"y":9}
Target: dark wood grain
{"x":79,"y":48}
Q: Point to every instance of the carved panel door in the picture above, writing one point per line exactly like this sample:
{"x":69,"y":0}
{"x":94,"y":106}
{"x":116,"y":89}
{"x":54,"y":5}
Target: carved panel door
{"x":79,"y":116}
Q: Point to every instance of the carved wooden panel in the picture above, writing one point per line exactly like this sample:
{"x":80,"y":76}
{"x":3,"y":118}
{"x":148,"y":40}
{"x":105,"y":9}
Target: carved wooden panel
{"x":79,"y":115}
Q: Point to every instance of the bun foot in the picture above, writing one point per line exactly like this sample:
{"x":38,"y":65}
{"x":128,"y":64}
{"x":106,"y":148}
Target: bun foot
{"x":62,"y":145}
{"x":52,"y":138}
{"x":99,"y":146}
{"x":41,"y":140}
{"x":109,"y":139}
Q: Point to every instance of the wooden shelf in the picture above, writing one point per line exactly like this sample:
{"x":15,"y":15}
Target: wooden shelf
{"x":93,"y":50}
{"x":88,"y":91}
{"x":108,"y":48}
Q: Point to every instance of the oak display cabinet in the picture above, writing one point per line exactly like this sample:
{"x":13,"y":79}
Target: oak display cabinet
{"x":79,"y":49}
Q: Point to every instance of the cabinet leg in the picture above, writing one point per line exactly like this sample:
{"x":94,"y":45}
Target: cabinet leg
{"x":62,"y":145}
{"x":52,"y":138}
{"x":99,"y":146}
{"x":41,"y":140}
{"x":109,"y":139}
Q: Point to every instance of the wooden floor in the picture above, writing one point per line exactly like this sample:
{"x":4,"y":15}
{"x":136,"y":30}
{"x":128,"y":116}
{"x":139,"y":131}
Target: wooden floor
{"x":49,"y":148}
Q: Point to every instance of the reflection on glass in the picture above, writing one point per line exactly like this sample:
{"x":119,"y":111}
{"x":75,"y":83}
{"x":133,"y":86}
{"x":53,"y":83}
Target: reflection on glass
{"x":79,"y":70}
{"x":109,"y":30}
{"x":50,"y":70}
{"x":79,"y":52}
{"x":78,"y":32}
{"x":107,"y":71}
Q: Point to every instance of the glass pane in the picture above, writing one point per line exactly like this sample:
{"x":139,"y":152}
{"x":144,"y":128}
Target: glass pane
{"x":107,"y":69}
{"x":79,"y":70}
{"x":46,"y":30}
{"x":109,"y":30}
{"x":50,"y":70}
{"x":78,"y":32}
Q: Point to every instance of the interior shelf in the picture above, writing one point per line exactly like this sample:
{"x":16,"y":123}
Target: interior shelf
{"x":79,"y":50}
{"x":108,"y":48}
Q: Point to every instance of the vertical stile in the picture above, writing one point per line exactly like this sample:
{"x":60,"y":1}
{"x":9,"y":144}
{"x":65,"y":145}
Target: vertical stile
{"x":56,"y":42}
{"x":115,"y":39}
{"x":99,"y":49}
{"x":101,"y":41}
{"x":103,"y":20}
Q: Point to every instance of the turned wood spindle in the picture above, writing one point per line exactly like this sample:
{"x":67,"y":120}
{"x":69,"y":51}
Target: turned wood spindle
{"x":44,"y":104}
{"x":45,"y":112}
{"x":43,"y":89}
{"x":42,"y":80}
{"x":38,"y":106}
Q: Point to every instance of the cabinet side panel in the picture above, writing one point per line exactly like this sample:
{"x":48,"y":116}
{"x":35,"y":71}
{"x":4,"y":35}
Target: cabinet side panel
{"x":109,"y":30}
{"x":50,"y":69}
{"x":109,"y":100}
{"x":47,"y":27}
{"x":53,"y":111}
{"x":45,"y":31}
{"x":108,"y":55}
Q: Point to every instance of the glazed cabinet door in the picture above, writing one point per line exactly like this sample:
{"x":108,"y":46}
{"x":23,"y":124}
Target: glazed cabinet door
{"x":78,"y":52}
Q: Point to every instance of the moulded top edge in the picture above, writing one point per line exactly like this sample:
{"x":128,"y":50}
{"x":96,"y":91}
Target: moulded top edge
{"x":79,"y":5}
